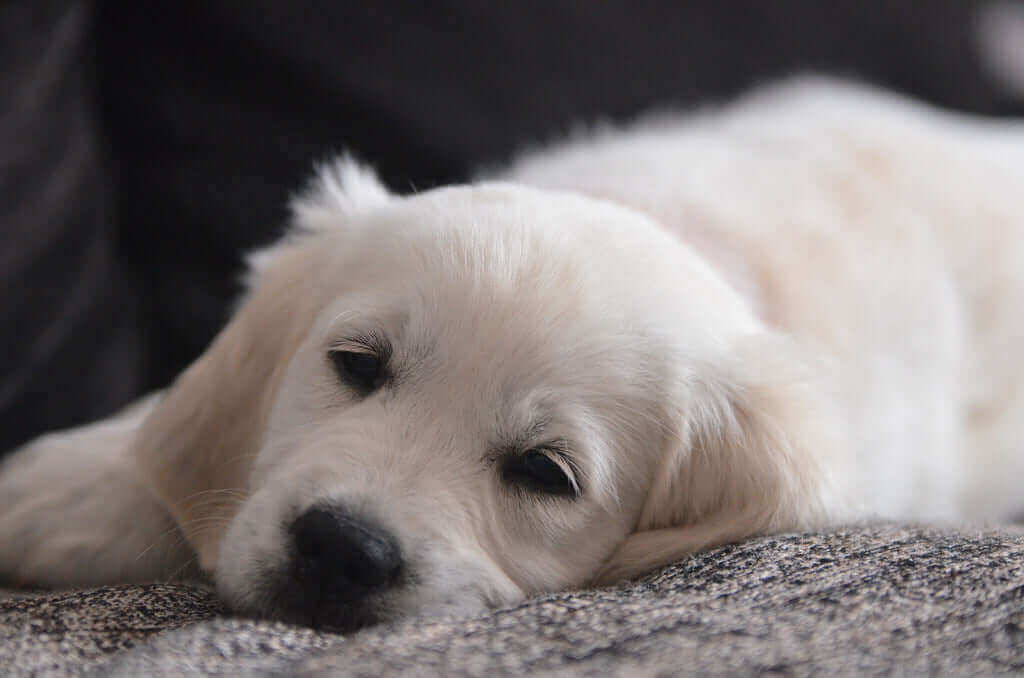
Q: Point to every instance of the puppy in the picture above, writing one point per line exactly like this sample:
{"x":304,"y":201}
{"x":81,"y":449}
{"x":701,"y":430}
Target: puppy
{"x":800,"y":310}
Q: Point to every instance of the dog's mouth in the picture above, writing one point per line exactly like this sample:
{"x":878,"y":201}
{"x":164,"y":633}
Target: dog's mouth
{"x":326,"y":612}
{"x":291,"y":597}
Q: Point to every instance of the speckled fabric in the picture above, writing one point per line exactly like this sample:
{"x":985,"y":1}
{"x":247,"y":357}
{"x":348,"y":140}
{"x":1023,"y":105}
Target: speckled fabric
{"x":862,"y":601}
{"x":69,"y":632}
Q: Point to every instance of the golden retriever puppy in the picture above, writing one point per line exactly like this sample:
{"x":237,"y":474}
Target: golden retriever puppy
{"x":796,"y":311}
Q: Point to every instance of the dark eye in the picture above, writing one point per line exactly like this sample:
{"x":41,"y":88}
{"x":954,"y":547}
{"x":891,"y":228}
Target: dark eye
{"x":537,"y":471}
{"x":359,"y":370}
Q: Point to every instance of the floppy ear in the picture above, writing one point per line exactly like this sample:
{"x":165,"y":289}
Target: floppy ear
{"x":747,"y":460}
{"x":196,"y":449}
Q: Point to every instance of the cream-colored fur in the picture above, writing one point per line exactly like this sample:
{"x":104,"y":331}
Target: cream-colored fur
{"x":795,"y":311}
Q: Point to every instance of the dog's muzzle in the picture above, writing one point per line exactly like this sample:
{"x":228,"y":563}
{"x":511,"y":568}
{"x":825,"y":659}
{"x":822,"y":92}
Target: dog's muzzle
{"x":340,"y":563}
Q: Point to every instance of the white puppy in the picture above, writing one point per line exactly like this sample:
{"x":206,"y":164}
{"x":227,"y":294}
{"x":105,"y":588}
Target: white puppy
{"x":799,"y":310}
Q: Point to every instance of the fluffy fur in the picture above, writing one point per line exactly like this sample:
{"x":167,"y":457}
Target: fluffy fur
{"x":798,"y":310}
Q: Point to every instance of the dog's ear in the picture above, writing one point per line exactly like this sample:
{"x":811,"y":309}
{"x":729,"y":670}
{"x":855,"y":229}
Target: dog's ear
{"x":196,"y":447}
{"x":747,"y":459}
{"x":195,"y":450}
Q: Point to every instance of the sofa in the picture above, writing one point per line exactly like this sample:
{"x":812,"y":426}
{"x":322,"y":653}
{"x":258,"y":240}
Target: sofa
{"x":878,"y":599}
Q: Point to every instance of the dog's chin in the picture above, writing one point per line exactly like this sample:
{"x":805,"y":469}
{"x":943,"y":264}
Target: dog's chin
{"x":292,"y":603}
{"x":280,"y":594}
{"x":326,"y":613}
{"x":284,"y":597}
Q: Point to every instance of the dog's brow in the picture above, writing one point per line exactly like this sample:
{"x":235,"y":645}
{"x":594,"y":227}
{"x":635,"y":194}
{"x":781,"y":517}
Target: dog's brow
{"x":525,"y":436}
{"x":517,"y":438}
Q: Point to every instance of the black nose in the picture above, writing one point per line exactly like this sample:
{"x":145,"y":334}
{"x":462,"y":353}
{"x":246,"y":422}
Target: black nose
{"x":342,"y":556}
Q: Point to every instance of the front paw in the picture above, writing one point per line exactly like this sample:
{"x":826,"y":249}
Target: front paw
{"x":72,"y":513}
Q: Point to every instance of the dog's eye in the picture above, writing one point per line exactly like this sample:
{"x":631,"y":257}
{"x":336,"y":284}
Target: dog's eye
{"x":537,"y":471}
{"x":359,"y":370}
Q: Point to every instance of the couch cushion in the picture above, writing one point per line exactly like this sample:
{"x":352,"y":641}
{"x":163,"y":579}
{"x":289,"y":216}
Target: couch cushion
{"x":857,"y":601}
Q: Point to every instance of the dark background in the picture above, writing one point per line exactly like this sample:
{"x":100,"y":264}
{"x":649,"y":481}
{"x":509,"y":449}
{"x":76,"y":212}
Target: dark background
{"x":145,"y":146}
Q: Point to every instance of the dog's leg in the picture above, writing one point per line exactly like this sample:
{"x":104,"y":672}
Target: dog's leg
{"x":74,"y":513}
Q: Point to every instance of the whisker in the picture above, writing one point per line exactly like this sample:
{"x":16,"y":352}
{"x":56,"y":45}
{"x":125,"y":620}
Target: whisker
{"x":233,"y":491}
{"x":180,"y":568}
{"x":218,"y":501}
{"x":160,"y":538}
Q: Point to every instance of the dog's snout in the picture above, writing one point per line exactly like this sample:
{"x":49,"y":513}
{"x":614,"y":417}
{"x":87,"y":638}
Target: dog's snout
{"x":343,"y":555}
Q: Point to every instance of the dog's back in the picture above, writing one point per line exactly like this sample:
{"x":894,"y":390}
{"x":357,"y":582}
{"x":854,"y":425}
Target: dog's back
{"x":887,"y":236}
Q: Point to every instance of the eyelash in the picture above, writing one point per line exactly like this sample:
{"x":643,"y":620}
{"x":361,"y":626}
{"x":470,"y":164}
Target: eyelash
{"x":361,"y":363}
{"x":538,"y":470}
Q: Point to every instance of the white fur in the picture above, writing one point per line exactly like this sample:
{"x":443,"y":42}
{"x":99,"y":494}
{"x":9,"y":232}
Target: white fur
{"x":796,"y":311}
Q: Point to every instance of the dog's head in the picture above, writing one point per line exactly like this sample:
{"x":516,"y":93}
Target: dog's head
{"x":448,"y":401}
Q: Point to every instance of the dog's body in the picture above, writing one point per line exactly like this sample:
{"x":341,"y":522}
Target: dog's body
{"x":794,"y":312}
{"x":887,"y":238}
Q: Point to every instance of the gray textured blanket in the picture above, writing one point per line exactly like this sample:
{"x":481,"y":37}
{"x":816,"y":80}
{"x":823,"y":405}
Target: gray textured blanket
{"x":862,"y":601}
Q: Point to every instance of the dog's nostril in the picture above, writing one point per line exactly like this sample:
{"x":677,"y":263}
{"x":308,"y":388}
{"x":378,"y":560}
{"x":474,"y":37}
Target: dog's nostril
{"x":339,"y":551}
